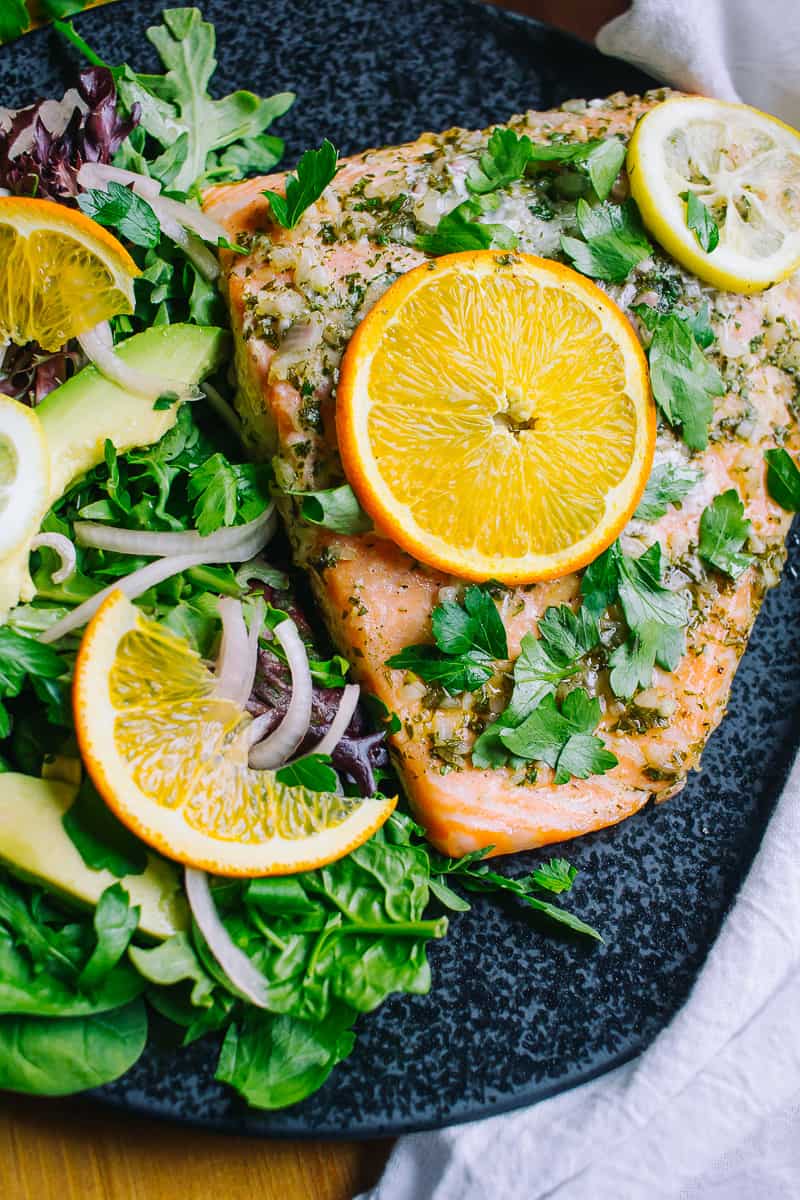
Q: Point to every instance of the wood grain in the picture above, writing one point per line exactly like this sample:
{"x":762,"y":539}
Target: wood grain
{"x":73,"y":1150}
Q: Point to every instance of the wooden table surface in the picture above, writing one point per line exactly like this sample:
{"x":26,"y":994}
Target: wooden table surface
{"x":75,"y":1150}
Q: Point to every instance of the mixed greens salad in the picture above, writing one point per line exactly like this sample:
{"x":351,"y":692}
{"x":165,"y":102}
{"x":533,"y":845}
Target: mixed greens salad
{"x":77,"y":981}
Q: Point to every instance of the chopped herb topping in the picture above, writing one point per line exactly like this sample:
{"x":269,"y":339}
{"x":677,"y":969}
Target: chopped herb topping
{"x":563,"y":737}
{"x":461,"y":230}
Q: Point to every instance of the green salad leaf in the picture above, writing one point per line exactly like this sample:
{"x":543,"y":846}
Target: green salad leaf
{"x":469,"y":638}
{"x":668,"y":484}
{"x":121,"y":209}
{"x":724,"y":529}
{"x":59,"y":1057}
{"x":115,"y":922}
{"x":783,"y":479}
{"x":313,"y":173}
{"x":14,"y":20}
{"x":612,"y":240}
{"x":334,"y":508}
{"x":102,"y":841}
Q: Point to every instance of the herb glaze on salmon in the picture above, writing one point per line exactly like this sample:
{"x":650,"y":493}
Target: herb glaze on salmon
{"x":659,"y":682}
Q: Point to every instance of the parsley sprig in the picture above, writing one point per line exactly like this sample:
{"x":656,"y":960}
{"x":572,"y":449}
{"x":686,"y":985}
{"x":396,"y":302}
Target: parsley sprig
{"x":668,"y":484}
{"x":314,"y":172}
{"x":469,"y":637}
{"x":724,"y":529}
{"x":683,"y":379}
{"x":612,"y":240}
{"x":701,"y":222}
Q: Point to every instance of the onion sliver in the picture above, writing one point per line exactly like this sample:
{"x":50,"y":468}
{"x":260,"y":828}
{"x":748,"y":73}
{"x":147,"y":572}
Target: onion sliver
{"x":192,"y":218}
{"x":136,"y":541}
{"x":284,"y":740}
{"x":344,"y":715}
{"x":97,"y":346}
{"x":242,"y":973}
{"x":63,"y":548}
{"x":236,"y":664}
{"x":137,"y":582}
{"x":99,"y":175}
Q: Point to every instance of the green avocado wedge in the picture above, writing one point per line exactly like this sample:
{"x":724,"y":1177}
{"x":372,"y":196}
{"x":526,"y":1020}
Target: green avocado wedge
{"x":34,"y":846}
{"x":79,"y":416}
{"x":88,"y":410}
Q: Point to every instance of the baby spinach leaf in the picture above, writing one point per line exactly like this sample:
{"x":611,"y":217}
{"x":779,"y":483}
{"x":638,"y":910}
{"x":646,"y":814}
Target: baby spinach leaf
{"x":783,"y":479}
{"x":40,"y":988}
{"x":174,"y":961}
{"x":313,"y":771}
{"x":58,"y":1057}
{"x":724,"y":529}
{"x":115,"y":922}
{"x":274,"y":1061}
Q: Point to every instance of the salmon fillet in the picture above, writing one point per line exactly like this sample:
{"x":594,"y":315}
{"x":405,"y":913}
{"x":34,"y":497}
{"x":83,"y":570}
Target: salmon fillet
{"x":296,"y":298}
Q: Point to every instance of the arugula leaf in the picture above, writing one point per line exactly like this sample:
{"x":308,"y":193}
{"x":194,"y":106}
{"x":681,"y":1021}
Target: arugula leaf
{"x":460,"y":230}
{"x":115,"y":923}
{"x":669,"y":482}
{"x":121,"y":209}
{"x":683,"y":379}
{"x":313,"y":771}
{"x":23,"y":657}
{"x":503,"y":162}
{"x":177,"y":105}
{"x":563,"y":738}
{"x":783,"y":479}
{"x":724,"y":529}
{"x":249,"y":156}
{"x":469,"y":638}
{"x":334,"y":508}
{"x":613,"y":242}
{"x":700,"y":220}
{"x":314,"y":172}
{"x":557,"y":875}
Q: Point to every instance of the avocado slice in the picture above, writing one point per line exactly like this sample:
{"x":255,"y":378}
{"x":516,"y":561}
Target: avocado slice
{"x":79,"y":416}
{"x":35,"y":847}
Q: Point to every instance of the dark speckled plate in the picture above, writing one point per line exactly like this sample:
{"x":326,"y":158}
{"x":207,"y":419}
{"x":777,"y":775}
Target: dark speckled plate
{"x":513,"y":1015}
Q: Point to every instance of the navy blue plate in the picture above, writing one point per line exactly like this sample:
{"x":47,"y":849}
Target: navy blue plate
{"x":514,"y":1015}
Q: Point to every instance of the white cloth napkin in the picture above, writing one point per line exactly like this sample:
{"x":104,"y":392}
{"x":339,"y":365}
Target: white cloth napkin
{"x":712,"y":1110}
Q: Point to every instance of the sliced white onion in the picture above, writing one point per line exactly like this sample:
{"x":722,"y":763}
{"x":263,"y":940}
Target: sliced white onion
{"x":242,"y":973}
{"x":136,"y":541}
{"x":138,"y":582}
{"x":258,"y":728}
{"x":281,"y":744}
{"x":63,"y":548}
{"x":97,"y":346}
{"x":236,"y":664}
{"x":99,"y":175}
{"x":192,"y":218}
{"x":344,"y":715}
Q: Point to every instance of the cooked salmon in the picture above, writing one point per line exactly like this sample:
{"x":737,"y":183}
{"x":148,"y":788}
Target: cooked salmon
{"x":296,"y":298}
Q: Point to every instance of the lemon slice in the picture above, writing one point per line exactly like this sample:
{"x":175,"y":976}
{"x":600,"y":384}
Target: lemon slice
{"x":743,"y":165}
{"x":170,"y":759}
{"x":494,"y":416}
{"x":24,"y":474}
{"x":60,"y":273}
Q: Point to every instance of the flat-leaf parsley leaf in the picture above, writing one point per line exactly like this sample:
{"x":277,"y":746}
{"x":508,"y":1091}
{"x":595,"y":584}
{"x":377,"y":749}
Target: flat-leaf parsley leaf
{"x":613,"y":242}
{"x":314,"y":172}
{"x":724,"y":529}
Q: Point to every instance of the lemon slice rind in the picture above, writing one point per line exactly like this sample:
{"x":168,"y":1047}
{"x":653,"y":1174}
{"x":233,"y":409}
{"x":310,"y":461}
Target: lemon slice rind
{"x":24,"y":474}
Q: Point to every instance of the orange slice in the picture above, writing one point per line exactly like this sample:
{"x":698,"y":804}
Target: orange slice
{"x":494,"y":416}
{"x":60,"y":273}
{"x":170,"y":759}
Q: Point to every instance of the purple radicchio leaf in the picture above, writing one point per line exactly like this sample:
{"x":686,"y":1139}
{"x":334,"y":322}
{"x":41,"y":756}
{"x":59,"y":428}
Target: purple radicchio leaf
{"x":28,"y":373}
{"x":36,"y":161}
